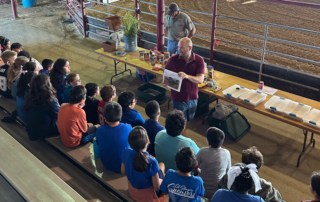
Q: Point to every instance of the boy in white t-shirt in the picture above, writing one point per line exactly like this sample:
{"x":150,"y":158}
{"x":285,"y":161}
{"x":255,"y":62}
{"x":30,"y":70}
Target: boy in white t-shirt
{"x":213,"y":161}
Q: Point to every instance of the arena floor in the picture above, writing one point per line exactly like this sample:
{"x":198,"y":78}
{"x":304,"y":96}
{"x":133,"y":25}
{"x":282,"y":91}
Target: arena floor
{"x":293,"y":16}
{"x":47,"y":37}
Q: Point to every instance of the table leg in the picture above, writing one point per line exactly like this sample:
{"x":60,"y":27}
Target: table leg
{"x":208,"y":109}
{"x":116,"y":72}
{"x":312,"y":141}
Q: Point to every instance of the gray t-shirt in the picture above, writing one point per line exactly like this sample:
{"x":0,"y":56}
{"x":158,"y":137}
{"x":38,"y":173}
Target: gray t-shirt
{"x":213,"y":163}
{"x":178,"y":27}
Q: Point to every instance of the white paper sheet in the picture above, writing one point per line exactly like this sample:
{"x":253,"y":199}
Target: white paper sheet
{"x":172,"y":80}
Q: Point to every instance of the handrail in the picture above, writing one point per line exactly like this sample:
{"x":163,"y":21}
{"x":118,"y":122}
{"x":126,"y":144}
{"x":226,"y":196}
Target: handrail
{"x":270,"y":24}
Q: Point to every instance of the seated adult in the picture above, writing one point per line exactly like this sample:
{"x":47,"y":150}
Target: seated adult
{"x":169,"y":141}
{"x":242,"y":178}
{"x":72,"y":122}
{"x":41,"y":108}
{"x":267,"y":192}
{"x":128,"y":101}
{"x":113,"y":137}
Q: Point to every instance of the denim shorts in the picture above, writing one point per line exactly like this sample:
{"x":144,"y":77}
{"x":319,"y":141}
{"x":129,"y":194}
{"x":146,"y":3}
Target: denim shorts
{"x":172,"y":47}
{"x":188,"y":108}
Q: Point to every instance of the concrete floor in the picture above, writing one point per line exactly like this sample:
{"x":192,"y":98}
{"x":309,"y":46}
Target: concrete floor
{"x":280,"y":143}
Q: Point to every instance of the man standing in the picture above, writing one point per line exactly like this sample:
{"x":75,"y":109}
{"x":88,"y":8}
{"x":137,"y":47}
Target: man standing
{"x":177,"y":25}
{"x":191,"y":68}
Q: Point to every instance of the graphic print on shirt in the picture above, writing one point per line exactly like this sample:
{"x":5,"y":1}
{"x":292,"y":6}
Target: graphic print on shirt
{"x":180,"y":190}
{"x":3,"y":83}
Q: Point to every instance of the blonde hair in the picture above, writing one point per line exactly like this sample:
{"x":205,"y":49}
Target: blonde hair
{"x":71,"y":77}
{"x":14,"y":69}
{"x":7,"y":55}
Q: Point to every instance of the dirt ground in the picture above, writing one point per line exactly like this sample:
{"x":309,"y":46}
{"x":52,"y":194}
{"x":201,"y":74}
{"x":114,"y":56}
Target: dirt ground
{"x":293,"y":16}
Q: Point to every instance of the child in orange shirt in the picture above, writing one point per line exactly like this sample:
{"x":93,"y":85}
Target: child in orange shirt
{"x":72,"y":122}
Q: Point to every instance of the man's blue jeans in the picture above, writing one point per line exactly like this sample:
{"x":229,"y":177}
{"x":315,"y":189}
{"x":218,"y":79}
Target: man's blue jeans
{"x":172,"y":47}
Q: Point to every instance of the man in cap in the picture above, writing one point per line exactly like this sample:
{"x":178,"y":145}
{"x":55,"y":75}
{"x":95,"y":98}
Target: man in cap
{"x":178,"y":25}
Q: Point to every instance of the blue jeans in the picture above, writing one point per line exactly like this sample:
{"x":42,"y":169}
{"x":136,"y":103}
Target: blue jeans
{"x":188,"y":108}
{"x":172,"y":47}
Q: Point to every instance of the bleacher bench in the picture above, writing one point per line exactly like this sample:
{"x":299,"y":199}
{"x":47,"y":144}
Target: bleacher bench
{"x":29,"y":176}
{"x":84,"y":157}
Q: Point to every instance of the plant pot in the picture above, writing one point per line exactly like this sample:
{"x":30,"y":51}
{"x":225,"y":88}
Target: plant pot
{"x":130,"y":43}
{"x":113,"y":22}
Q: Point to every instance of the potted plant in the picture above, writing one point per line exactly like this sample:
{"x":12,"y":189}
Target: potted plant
{"x":130,"y":30}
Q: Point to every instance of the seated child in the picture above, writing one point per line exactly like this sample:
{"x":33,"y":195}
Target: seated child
{"x":143,"y":171}
{"x":41,"y":108}
{"x":214,"y":161}
{"x":8,"y":58}
{"x":241,"y":180}
{"x":72,"y":123}
{"x":315,"y":187}
{"x":168,"y":142}
{"x":128,"y":101}
{"x":91,"y":103}
{"x":268,"y":192}
{"x":14,"y":73}
{"x":113,"y":138}
{"x":73,"y":80}
{"x":29,"y":71}
{"x":16,"y":47}
{"x":60,"y":70}
{"x":152,"y":125}
{"x":47,"y":65}
{"x":5,"y":44}
{"x":107,"y":93}
{"x":27,"y":54}
{"x":181,"y":185}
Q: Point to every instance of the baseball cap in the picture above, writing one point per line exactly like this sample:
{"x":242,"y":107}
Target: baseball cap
{"x":173,"y":7}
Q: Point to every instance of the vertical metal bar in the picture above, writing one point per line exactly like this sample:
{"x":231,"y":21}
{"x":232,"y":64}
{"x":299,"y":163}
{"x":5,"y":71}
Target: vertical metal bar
{"x":213,"y":31}
{"x":14,"y":8}
{"x":108,"y":11}
{"x":263,"y":50}
{"x":84,"y":23}
{"x":137,"y":9}
{"x":137,"y":14}
{"x":160,"y":25}
{"x":67,"y":2}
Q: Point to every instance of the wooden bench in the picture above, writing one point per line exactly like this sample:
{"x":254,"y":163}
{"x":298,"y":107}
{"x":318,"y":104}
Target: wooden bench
{"x":9,"y":105}
{"x":30,"y":177}
{"x":84,"y":157}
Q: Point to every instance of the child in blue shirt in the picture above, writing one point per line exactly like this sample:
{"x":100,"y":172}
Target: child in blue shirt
{"x":128,"y":101}
{"x":143,"y":171}
{"x":47,"y":65}
{"x":29,"y":71}
{"x":240,"y":181}
{"x":181,"y":185}
{"x":58,"y":73}
{"x":112,"y":138}
{"x":73,"y":80}
{"x":152,"y":125}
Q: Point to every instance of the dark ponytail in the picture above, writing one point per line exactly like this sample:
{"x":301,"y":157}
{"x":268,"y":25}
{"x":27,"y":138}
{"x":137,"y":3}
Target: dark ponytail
{"x":244,"y":181}
{"x":25,"y":78}
{"x":138,"y":139}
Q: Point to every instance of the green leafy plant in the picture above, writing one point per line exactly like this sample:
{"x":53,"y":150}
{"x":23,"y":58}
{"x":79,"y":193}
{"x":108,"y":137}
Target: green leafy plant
{"x":130,"y":25}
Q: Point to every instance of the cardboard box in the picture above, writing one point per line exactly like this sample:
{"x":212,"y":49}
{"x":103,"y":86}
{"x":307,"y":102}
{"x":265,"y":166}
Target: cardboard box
{"x":109,"y":46}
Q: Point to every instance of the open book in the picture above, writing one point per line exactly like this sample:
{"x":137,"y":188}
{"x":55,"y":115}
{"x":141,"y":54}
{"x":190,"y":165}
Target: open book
{"x":172,"y":80}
